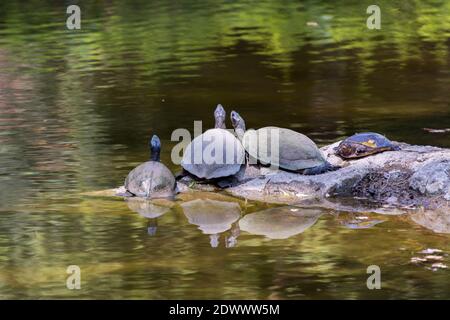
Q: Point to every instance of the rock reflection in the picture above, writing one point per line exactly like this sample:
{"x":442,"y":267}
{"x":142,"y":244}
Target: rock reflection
{"x":151,"y":210}
{"x":279,"y":223}
{"x":436,"y":220}
{"x":214,"y":217}
{"x":355,"y":221}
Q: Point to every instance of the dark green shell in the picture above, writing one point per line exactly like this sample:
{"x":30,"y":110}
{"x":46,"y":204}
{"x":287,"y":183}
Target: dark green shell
{"x":364,"y":144}
{"x":296,"y":151}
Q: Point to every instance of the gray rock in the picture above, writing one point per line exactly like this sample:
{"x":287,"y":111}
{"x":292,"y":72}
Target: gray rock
{"x":413,"y":176}
{"x":432,"y":178}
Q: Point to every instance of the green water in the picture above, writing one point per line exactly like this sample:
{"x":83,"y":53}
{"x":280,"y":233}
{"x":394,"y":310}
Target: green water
{"x":77,"y":108}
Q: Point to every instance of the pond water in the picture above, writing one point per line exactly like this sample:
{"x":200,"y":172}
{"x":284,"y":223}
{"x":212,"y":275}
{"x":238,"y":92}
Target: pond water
{"x":77,"y":108}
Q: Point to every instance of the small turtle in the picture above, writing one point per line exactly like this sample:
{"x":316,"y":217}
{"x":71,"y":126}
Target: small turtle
{"x":151,"y":179}
{"x":364,"y":144}
{"x":214,"y":154}
{"x":279,"y":223}
{"x":296,"y":152}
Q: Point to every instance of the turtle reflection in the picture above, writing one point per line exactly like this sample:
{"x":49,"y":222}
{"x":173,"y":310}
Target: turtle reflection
{"x":149,"y":209}
{"x":279,"y":223}
{"x":214,"y":217}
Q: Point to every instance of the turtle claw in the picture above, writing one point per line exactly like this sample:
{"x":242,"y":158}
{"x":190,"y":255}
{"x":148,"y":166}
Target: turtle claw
{"x":323,"y":168}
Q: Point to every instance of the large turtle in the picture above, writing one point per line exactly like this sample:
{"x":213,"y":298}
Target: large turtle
{"x":363,"y":144}
{"x":280,"y":147}
{"x":279,"y":223}
{"x":214,"y":154}
{"x":151,"y":179}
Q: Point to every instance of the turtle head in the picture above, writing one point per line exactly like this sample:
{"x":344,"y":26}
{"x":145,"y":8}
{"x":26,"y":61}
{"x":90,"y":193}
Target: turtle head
{"x":219,"y":116}
{"x":238,"y":124}
{"x":155,"y":148}
{"x":353,"y":150}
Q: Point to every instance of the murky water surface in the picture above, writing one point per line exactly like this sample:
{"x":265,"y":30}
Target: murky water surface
{"x":77,"y":108}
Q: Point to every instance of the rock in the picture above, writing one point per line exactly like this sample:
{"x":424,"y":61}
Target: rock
{"x":432,"y":178}
{"x":415,"y":176}
{"x":392,"y":182}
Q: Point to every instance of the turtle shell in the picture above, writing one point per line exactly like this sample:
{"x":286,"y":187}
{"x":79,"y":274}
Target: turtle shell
{"x":151,"y":179}
{"x":295,"y":150}
{"x":364,"y":144}
{"x":214,"y":154}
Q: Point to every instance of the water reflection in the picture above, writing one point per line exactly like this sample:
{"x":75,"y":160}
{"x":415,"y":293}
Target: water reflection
{"x":437,"y":221}
{"x":150,"y":210}
{"x":358,"y":221}
{"x":213,"y":218}
{"x":280,"y":223}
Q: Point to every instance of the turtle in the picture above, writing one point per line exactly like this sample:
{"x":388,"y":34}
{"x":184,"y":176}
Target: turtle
{"x":151,"y":179}
{"x":212,"y":217}
{"x":214,"y":154}
{"x":279,"y":223}
{"x":296,"y":152}
{"x":364,"y":144}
